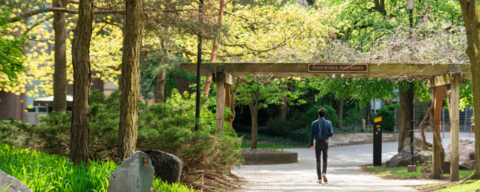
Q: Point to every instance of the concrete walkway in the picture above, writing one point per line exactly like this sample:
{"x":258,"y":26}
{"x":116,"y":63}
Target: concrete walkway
{"x":344,"y":173}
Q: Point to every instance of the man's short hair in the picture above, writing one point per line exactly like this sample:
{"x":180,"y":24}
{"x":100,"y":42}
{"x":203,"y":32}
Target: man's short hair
{"x":322,"y":112}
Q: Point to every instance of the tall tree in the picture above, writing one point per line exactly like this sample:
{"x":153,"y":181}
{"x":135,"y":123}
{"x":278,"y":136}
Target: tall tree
{"x":340,"y":112}
{"x":258,"y":93}
{"x":213,"y":56}
{"x":82,"y":77}
{"x":60,"y":74}
{"x":132,"y":44}
{"x":471,"y":18}
{"x":160,"y":87}
{"x":405,"y":115}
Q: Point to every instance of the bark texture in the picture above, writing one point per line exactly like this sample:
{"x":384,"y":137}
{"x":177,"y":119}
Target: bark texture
{"x":82,"y":76}
{"x":340,"y":112}
{"x":132,"y":44}
{"x":160,"y":87}
{"x":213,"y":56}
{"x":405,"y":117}
{"x":60,"y":74}
{"x":471,"y":17}
{"x":254,"y":115}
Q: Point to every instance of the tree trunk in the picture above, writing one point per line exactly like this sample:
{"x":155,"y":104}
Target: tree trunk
{"x":284,"y":109}
{"x":254,"y":115}
{"x":471,"y":17}
{"x":160,"y":88}
{"x":340,"y":112}
{"x":132,"y":44}
{"x":213,"y":56}
{"x":60,"y":74}
{"x":97,"y":83}
{"x":82,"y":78}
{"x":370,"y":115}
{"x":405,"y":117}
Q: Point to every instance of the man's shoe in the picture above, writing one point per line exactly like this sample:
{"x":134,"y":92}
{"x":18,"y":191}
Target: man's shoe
{"x":319,"y":181}
{"x":325,"y":178}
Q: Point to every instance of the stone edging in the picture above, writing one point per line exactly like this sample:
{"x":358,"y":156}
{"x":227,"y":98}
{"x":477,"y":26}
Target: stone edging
{"x":266,"y":158}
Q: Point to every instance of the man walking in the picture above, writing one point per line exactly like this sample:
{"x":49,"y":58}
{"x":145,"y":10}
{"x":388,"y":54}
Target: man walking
{"x":320,"y":132}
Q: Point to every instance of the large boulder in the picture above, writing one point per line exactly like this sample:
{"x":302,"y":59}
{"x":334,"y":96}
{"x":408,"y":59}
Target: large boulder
{"x":16,"y":185}
{"x":466,"y":147}
{"x":417,"y":145}
{"x":403,"y":158}
{"x":168,"y":167}
{"x":133,"y":175}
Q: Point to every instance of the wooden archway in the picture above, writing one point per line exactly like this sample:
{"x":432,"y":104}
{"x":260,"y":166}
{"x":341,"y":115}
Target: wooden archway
{"x":438,"y":75}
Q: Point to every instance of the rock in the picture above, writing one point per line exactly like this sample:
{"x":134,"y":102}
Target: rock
{"x":466,"y":147}
{"x":417,"y":145}
{"x":403,"y":158}
{"x":132,"y":175}
{"x":168,"y":167}
{"x":16,"y":186}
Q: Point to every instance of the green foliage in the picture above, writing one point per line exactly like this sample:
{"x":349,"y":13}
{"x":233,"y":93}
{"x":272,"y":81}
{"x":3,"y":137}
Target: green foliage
{"x":287,"y":127}
{"x":312,"y":114}
{"x":387,"y":113}
{"x":162,"y":126}
{"x":163,"y":186}
{"x":362,"y":89}
{"x":466,"y":94}
{"x":43,"y":172}
{"x":474,"y":186}
{"x":11,"y":48}
{"x":6,"y":188}
{"x":11,"y":130}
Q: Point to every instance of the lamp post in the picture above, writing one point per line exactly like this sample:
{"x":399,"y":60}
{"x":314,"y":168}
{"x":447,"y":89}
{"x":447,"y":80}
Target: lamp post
{"x":410,"y":6}
{"x":199,"y":63}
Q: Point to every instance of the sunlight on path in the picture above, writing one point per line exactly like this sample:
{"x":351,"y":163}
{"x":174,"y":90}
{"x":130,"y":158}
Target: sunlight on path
{"x":344,"y":173}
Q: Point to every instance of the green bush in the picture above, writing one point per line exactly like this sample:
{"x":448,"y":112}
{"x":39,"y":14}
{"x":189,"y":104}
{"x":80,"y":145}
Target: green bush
{"x":11,"y":131}
{"x":162,"y":126}
{"x":286,"y":127}
{"x":387,"y":113}
{"x":44,"y":172}
{"x":312,"y":114}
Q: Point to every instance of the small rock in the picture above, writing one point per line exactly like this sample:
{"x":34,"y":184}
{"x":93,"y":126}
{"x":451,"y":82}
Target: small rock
{"x":16,"y":186}
{"x":168,"y":167}
{"x":132,"y":175}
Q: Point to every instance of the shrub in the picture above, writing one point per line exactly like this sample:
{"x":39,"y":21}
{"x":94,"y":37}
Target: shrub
{"x":387,"y":113}
{"x":286,"y":127}
{"x":162,"y":126}
{"x":14,"y":132}
{"x":312,"y":114}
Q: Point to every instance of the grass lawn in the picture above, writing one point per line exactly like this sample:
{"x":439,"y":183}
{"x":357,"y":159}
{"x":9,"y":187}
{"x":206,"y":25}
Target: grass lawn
{"x":475,"y":186}
{"x":402,"y":173}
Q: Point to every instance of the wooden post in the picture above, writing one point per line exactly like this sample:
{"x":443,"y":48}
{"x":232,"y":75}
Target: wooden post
{"x":437,"y":103}
{"x":228,"y":99}
{"x":453,"y":102}
{"x":220,"y":81}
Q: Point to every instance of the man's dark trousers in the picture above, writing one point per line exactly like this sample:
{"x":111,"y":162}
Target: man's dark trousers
{"x":321,"y":146}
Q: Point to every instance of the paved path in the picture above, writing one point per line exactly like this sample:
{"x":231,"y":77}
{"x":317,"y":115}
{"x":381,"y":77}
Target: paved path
{"x":344,"y":173}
